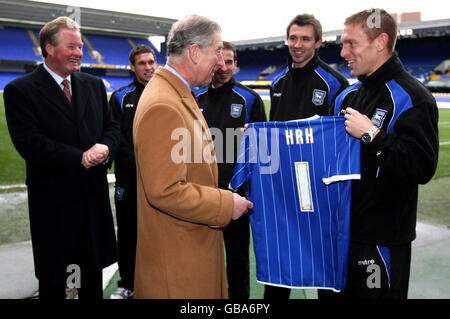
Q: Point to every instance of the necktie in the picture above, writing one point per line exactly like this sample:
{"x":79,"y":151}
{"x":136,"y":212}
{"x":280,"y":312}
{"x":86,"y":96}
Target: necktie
{"x":195,"y":98}
{"x":66,"y":89}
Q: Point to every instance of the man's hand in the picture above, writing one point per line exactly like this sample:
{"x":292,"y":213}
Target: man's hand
{"x":241,"y":206}
{"x":97,"y":154}
{"x":356,"y":123}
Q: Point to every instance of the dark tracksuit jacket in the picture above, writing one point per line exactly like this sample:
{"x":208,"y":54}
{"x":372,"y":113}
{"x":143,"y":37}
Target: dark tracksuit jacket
{"x":124,"y":102}
{"x":402,"y":155}
{"x":229,"y":106}
{"x":303,"y":92}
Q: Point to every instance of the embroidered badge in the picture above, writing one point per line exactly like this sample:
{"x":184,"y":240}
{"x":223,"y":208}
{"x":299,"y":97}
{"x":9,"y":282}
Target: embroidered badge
{"x":119,"y":193}
{"x":318,"y":97}
{"x":378,"y":117}
{"x":236,"y":110}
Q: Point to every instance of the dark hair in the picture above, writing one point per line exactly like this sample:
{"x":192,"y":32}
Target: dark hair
{"x":139,"y":49}
{"x":49,"y":32}
{"x":306,"y":19}
{"x":230,"y":46}
{"x":375,"y":22}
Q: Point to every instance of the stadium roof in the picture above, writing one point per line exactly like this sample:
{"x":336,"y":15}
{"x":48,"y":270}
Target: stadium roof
{"x":416,"y":29}
{"x":33,"y":14}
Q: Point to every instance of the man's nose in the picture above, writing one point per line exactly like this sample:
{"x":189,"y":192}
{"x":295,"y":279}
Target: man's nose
{"x":344,"y":52}
{"x":298,"y":43}
{"x":220,"y":62}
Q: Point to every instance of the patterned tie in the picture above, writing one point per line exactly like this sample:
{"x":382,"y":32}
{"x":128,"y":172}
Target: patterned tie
{"x":195,"y":98}
{"x":66,"y":89}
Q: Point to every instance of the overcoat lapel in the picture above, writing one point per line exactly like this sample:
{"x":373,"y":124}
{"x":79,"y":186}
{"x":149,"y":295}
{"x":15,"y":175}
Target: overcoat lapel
{"x":51,"y":91}
{"x":187,"y":99}
{"x":191,"y":105}
{"x":80,"y":94}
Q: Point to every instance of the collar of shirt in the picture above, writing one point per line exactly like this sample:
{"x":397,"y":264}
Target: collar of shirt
{"x":305,"y":70}
{"x":58,"y":78}
{"x":168,"y":67}
{"x":384,"y":73}
{"x":225,"y":87}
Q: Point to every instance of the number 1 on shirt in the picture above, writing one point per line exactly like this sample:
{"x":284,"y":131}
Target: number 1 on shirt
{"x":304,"y":186}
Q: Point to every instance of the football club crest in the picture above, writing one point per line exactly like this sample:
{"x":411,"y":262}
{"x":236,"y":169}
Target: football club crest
{"x":119,"y":193}
{"x":378,"y":117}
{"x":236,"y":110}
{"x":318,"y":97}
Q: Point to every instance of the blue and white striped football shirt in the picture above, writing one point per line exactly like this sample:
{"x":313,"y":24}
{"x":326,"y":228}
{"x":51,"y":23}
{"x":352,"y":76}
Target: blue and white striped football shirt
{"x":298,"y":175}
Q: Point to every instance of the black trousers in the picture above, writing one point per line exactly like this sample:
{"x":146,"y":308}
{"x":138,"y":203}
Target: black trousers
{"x":90,"y":282}
{"x":125,"y":200}
{"x":237,"y":241}
{"x":375,"y":272}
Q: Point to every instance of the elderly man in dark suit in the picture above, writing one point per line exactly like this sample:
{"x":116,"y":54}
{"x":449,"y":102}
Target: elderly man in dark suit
{"x":66,"y":134}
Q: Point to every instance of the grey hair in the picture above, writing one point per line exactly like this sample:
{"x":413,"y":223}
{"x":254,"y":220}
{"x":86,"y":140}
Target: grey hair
{"x":193,"y":29}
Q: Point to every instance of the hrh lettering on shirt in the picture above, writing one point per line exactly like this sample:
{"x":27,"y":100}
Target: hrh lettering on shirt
{"x":299,"y":136}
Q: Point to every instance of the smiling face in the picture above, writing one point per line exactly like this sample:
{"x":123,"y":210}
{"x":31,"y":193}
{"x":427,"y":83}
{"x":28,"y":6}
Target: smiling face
{"x":65,"y":57}
{"x":210,"y":60}
{"x":225,"y":72}
{"x":144,"y":67}
{"x":359,"y":51}
{"x":302,"y":44}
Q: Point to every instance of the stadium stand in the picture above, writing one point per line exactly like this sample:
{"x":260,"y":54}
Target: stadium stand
{"x":419,"y":55}
{"x":422,"y":46}
{"x":16,"y":44}
{"x":113,"y":50}
{"x":254,"y":63}
{"x":109,"y":37}
{"x":6,"y":77}
{"x":19,"y":47}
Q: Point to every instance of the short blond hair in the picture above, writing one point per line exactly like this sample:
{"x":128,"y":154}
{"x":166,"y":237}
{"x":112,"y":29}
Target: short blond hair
{"x":384,"y":23}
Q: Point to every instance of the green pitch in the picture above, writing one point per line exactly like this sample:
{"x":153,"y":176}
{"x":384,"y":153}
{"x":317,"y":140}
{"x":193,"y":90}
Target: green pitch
{"x":12,"y":166}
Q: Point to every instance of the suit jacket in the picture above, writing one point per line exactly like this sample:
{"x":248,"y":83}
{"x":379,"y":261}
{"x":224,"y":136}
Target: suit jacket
{"x":67,"y":203}
{"x":180,"y":208}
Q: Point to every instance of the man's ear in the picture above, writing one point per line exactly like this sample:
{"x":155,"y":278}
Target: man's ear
{"x":194,"y":53}
{"x":49,"y":48}
{"x":382,"y":41}
{"x":318,"y":44}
